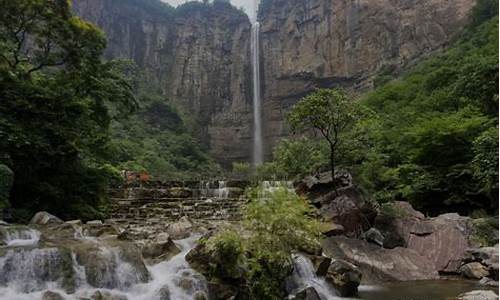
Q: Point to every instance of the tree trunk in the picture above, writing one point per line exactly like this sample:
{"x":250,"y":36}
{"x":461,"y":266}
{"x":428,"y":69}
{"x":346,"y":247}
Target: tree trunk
{"x":332,"y":165}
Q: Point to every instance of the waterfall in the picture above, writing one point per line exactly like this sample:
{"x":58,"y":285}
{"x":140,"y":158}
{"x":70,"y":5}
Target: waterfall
{"x":258,"y":153}
{"x":21,"y":237}
{"x":305,"y":276}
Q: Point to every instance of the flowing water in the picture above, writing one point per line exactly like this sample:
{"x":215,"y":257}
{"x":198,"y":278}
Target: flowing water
{"x":304,"y":276}
{"x":21,"y":237}
{"x":258,"y":152}
{"x":27,"y":272}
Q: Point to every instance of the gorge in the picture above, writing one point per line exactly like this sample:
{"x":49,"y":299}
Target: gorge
{"x":201,"y":55}
{"x":317,"y":150}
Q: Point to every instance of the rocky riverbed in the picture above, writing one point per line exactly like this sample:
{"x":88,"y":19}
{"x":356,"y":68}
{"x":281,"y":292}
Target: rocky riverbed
{"x":368,"y":252}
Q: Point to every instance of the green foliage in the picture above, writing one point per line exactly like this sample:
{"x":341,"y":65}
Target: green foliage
{"x":332,"y":114}
{"x":241,"y":170}
{"x":485,"y":231}
{"x":434,"y":138}
{"x":259,"y":253}
{"x":6,"y":180}
{"x":57,"y":97}
{"x":156,"y":140}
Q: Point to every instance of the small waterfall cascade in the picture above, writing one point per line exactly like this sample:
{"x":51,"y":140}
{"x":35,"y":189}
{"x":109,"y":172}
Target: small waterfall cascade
{"x":304,"y":276}
{"x":21,"y":237}
{"x":258,"y":147}
{"x":222,"y":191}
{"x":94,"y":267}
{"x":273,"y":186}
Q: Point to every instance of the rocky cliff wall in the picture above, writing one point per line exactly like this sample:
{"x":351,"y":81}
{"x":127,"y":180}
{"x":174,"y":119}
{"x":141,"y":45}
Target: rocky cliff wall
{"x":326,"y":43}
{"x":198,"y":54}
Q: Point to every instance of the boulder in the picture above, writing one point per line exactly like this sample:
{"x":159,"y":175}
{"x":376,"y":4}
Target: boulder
{"x":199,"y":295}
{"x":181,"y":229}
{"x":474,"y":270}
{"x":159,"y":249}
{"x":379,"y":264}
{"x":332,"y":229}
{"x":103,"y":295}
{"x":3,"y":223}
{"x":345,"y":277}
{"x":74,"y":222}
{"x":321,"y":264}
{"x":487,"y":256}
{"x":164,"y":293}
{"x":50,"y":295}
{"x":339,"y":201}
{"x":94,"y":222}
{"x":488,"y":281}
{"x":307,"y":294}
{"x":111,"y":265}
{"x":478,"y":295}
{"x":373,"y":236}
{"x":44,"y":218}
{"x":443,"y":239}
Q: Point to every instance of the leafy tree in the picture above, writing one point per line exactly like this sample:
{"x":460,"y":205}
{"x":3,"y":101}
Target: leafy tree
{"x":57,"y":97}
{"x":258,"y":252}
{"x":327,"y":111}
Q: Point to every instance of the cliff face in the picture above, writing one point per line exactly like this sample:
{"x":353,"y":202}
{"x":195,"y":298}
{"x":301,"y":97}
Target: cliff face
{"x":198,"y":54}
{"x":325,"y":43}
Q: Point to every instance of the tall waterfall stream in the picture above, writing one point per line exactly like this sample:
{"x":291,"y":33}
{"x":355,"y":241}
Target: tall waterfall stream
{"x":258,"y":147}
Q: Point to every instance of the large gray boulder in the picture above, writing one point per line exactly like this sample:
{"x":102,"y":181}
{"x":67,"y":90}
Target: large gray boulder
{"x":159,"y":249}
{"x":307,"y":294}
{"x":443,"y":240}
{"x":345,"y":277}
{"x":378,"y":264}
{"x":339,"y":201}
{"x":478,"y":295}
{"x":181,"y":229}
{"x":474,"y":270}
{"x":44,"y":218}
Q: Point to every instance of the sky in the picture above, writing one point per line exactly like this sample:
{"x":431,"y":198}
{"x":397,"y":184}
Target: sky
{"x":248,"y":5}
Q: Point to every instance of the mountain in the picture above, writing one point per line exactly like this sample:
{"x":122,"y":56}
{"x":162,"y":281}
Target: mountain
{"x":199,"y":54}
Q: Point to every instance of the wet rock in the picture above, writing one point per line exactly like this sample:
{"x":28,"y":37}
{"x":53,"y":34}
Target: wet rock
{"x":478,"y":295}
{"x":332,"y":229}
{"x":307,"y":294}
{"x":474,"y":270}
{"x":345,"y":205}
{"x":44,"y":218}
{"x":50,"y":295}
{"x":164,"y":293}
{"x":487,"y":256}
{"x":345,"y":277}
{"x":99,"y":229}
{"x":128,"y":235}
{"x":181,"y":229}
{"x":102,"y":295}
{"x":74,"y":222}
{"x":3,"y":223}
{"x":159,"y":249}
{"x":379,"y":264}
{"x":94,"y":222}
{"x":114,"y":265}
{"x":321,"y":264}
{"x":373,"y":236}
{"x":489,"y":282}
{"x":199,"y":295}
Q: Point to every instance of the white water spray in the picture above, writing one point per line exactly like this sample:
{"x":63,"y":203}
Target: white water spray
{"x":258,"y":152}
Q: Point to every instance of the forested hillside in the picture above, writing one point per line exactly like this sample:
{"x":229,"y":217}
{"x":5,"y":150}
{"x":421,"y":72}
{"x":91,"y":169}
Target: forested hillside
{"x":430,"y":137}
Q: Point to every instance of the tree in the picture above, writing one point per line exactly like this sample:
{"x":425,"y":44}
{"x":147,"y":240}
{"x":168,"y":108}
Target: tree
{"x":327,"y":111}
{"x":57,"y":98}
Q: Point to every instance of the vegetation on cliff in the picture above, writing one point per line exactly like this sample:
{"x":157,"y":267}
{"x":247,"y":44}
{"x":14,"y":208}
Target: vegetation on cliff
{"x":69,"y":121}
{"x":432,"y":138}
